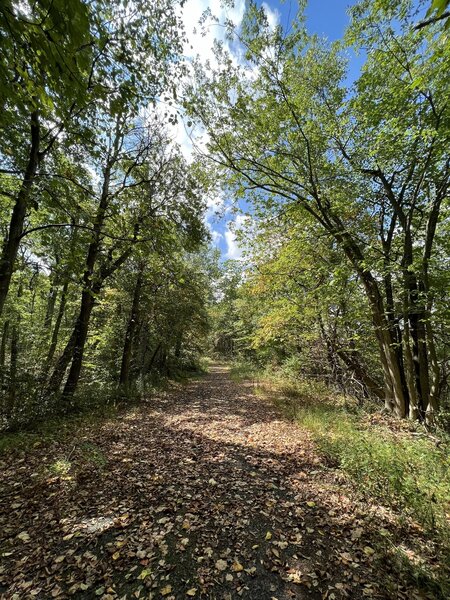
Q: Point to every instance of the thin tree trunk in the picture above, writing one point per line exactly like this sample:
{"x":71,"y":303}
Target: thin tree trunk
{"x":409,"y":372}
{"x":124,"y":378}
{"x":149,"y":366}
{"x":12,"y":241}
{"x":57,"y":377}
{"x":433,"y":404}
{"x":14,"y":356}
{"x":80,"y":336}
{"x":3,"y":352}
{"x":57,"y":327}
{"x":51,"y":301}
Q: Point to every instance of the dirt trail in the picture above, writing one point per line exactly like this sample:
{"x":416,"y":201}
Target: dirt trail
{"x":204,"y":492}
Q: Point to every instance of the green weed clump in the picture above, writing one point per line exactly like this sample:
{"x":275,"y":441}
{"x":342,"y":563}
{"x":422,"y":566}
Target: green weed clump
{"x":412,"y":475}
{"x":241,"y":371}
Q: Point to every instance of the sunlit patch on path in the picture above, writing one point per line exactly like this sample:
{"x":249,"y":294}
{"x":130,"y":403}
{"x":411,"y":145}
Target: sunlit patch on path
{"x":205,"y":492}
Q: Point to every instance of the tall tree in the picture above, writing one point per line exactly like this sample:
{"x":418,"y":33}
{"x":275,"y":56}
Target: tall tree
{"x":371,"y":166}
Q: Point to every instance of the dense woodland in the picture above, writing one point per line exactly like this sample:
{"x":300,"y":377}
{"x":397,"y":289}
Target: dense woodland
{"x":347,"y":236}
{"x":180,"y":422}
{"x":107,"y":276}
{"x":102,"y":275}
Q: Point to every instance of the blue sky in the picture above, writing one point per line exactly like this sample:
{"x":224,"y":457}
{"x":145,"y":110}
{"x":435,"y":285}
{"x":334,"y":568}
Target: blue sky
{"x":327,"y":18}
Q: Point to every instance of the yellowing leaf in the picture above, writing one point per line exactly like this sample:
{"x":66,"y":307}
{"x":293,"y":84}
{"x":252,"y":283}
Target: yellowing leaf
{"x":144,"y":573}
{"x":236,"y":566}
{"x":116,"y":555}
{"x":191,"y":592}
{"x":268,"y":536}
{"x":166,"y":590}
{"x":23,"y":535}
{"x":311,"y":504}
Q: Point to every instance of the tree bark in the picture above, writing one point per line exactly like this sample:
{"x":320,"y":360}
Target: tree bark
{"x":12,"y":241}
{"x":396,"y":395}
{"x":124,"y":378}
{"x":3,"y":353}
{"x":14,"y":356}
{"x":51,"y":301}
{"x":80,"y":336}
{"x":57,"y":326}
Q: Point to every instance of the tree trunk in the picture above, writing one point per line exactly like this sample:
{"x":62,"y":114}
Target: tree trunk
{"x":151,"y":362}
{"x":57,"y":327}
{"x":396,"y":394}
{"x":14,"y":356}
{"x":3,"y":353}
{"x":56,"y":379}
{"x":124,"y":378}
{"x":80,"y":336}
{"x":12,"y":241}
{"x":75,"y":348}
{"x":409,"y":373}
{"x":51,"y":301}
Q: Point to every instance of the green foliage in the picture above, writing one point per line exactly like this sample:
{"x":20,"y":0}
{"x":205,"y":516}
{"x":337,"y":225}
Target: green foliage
{"x":398,"y":466}
{"x":410,"y":474}
{"x":102,"y":286}
{"x":348,"y":189}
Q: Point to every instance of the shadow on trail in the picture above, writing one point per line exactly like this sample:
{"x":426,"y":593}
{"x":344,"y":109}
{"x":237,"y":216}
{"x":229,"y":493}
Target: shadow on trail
{"x":205,"y":489}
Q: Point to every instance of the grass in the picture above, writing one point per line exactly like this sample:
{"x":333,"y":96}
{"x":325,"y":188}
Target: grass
{"x":240,"y":371}
{"x":396,"y":464}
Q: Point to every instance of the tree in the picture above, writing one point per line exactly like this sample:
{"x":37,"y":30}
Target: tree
{"x":370,"y":167}
{"x":60,"y":65}
{"x":98,"y":204}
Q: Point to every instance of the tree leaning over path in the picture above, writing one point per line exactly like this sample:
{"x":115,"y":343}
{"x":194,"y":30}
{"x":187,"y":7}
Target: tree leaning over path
{"x":370,"y":165}
{"x":91,"y":185}
{"x":60,"y":65}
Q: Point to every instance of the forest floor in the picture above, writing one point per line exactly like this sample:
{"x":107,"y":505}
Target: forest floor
{"x":205,"y":491}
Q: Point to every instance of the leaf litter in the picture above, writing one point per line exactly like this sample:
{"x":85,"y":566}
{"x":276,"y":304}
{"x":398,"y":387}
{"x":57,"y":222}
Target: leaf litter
{"x":205,"y":492}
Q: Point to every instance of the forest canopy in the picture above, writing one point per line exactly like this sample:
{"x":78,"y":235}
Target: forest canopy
{"x":107,"y":274}
{"x":347,"y":195}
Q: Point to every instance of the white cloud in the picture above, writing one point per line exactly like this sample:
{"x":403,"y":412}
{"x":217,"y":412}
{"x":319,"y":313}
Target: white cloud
{"x":234,"y":248}
{"x":199,"y":44}
{"x":217,"y":237}
{"x":215,"y":209}
{"x":273,"y":16}
{"x":200,"y":39}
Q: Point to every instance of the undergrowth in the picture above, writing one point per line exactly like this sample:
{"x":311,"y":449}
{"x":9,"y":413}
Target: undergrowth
{"x":93,"y":406}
